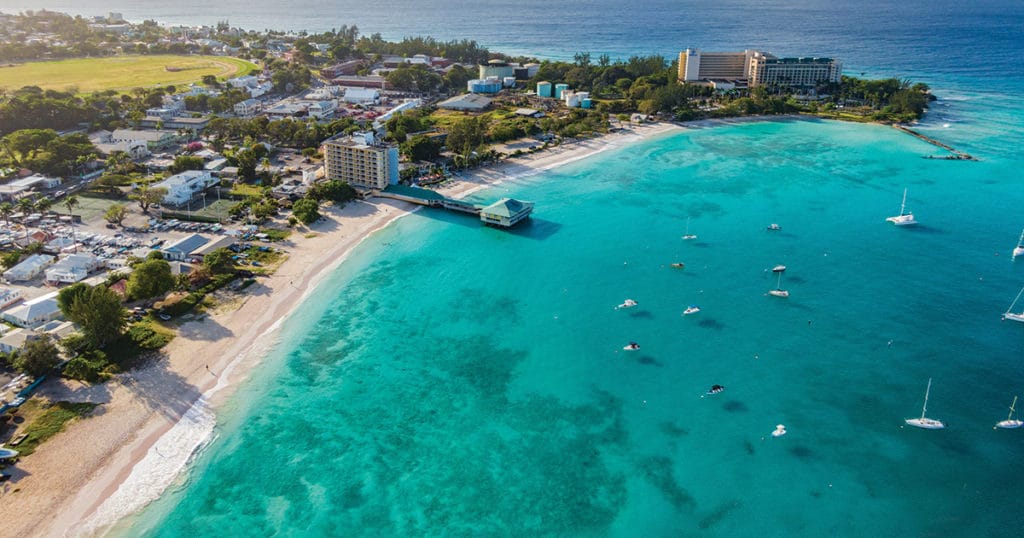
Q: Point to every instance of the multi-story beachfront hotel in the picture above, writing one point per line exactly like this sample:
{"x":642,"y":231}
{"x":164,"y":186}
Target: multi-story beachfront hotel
{"x":756,"y":68}
{"x":361,"y":162}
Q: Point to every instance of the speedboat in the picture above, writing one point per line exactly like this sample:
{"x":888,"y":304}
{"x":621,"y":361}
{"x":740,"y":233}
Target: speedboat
{"x":628,"y":303}
{"x":715,"y":389}
{"x":678,"y":265}
{"x":780,"y":430}
{"x":632,"y":346}
{"x":774,"y":227}
{"x":779,"y":293}
{"x":692,"y":309}
{"x":778,"y":268}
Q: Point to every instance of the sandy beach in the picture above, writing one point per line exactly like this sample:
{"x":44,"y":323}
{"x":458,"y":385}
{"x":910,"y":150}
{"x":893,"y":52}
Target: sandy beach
{"x":82,"y":480}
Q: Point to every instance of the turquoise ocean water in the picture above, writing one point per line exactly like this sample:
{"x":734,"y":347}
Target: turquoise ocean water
{"x":456,"y":380}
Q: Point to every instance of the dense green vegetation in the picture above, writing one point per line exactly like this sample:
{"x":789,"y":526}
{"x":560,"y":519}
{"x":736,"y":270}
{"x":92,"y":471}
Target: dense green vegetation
{"x":49,"y":422}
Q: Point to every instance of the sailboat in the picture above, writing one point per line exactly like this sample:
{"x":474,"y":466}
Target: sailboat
{"x":904,"y":218}
{"x":1019,"y":250}
{"x":778,"y":291}
{"x":687,"y":235}
{"x":923,"y":422}
{"x":1010,"y":422}
{"x":1010,"y":314}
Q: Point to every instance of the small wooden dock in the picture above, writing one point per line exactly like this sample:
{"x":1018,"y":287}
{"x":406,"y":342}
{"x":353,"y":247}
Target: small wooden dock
{"x":956,"y":155}
{"x":504,"y":214}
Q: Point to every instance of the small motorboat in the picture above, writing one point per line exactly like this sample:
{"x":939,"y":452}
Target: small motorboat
{"x":715,"y":389}
{"x":779,"y":293}
{"x":778,"y":268}
{"x":628,"y":303}
{"x":780,"y":430}
{"x":678,"y":265}
{"x":6,"y":454}
{"x":632,"y":346}
{"x":774,"y":227}
{"x":692,"y":309}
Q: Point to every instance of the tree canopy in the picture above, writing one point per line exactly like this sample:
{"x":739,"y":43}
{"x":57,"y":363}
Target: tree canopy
{"x":306,"y":210}
{"x":150,"y":278}
{"x":96,"y":309}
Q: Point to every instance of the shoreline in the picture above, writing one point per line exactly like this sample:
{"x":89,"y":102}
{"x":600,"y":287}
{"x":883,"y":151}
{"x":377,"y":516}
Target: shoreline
{"x":158,"y":417}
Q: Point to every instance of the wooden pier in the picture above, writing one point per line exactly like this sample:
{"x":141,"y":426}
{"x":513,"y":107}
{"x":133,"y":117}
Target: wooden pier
{"x":504,"y":213}
{"x":956,"y":155}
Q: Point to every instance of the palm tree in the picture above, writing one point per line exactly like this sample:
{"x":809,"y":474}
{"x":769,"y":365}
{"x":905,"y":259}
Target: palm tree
{"x":26,"y":206}
{"x":71,"y":202}
{"x":43,"y":205}
{"x":5,"y":211}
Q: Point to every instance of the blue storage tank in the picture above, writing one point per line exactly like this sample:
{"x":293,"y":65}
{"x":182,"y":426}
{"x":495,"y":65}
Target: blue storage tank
{"x":544,"y":89}
{"x":585,"y":103}
{"x":559,"y":89}
{"x":484,"y":86}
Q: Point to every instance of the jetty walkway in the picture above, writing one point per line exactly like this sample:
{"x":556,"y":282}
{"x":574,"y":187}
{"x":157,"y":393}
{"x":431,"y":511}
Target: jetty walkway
{"x":504,"y":213}
{"x":957,"y":155}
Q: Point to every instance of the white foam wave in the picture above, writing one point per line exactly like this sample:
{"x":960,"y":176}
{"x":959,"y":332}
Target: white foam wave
{"x":162,"y":464}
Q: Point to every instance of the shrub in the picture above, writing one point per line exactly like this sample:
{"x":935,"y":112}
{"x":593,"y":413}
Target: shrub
{"x":87,"y":367}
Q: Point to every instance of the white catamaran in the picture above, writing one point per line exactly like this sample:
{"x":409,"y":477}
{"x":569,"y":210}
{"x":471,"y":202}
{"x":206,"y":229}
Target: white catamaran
{"x":1010,"y":422}
{"x":1019,"y":249}
{"x":923,"y":422}
{"x":905,"y":218}
{"x":1010,"y":314}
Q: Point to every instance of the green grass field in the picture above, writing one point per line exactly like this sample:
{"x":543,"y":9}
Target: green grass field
{"x":121,"y":73}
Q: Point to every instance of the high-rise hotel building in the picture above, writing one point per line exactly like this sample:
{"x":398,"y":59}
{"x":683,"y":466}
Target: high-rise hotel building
{"x":361,"y":162}
{"x":757,"y":68}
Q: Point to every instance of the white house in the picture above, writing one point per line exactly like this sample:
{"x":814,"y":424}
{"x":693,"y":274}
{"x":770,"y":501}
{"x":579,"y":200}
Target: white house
{"x":322,"y":109}
{"x":9,"y":296}
{"x":37,"y":182}
{"x":72,"y":268}
{"x":182,"y":248}
{"x":29,"y":268}
{"x":243,"y":82}
{"x":16,"y":340}
{"x":183,"y":187}
{"x":33,"y":313}
{"x":248,"y":107}
{"x":136,"y":149}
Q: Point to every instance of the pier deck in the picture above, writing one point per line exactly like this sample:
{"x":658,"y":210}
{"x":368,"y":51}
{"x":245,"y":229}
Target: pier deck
{"x":429,"y":198}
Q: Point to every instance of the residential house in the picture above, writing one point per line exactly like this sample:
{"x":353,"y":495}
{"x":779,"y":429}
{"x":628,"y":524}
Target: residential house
{"x":72,"y":268}
{"x":183,"y":187}
{"x":220,"y":242}
{"x":16,"y":340}
{"x":249,"y":107}
{"x":182,"y":249}
{"x":9,"y":296}
{"x":33,"y":313}
{"x":29,"y":268}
